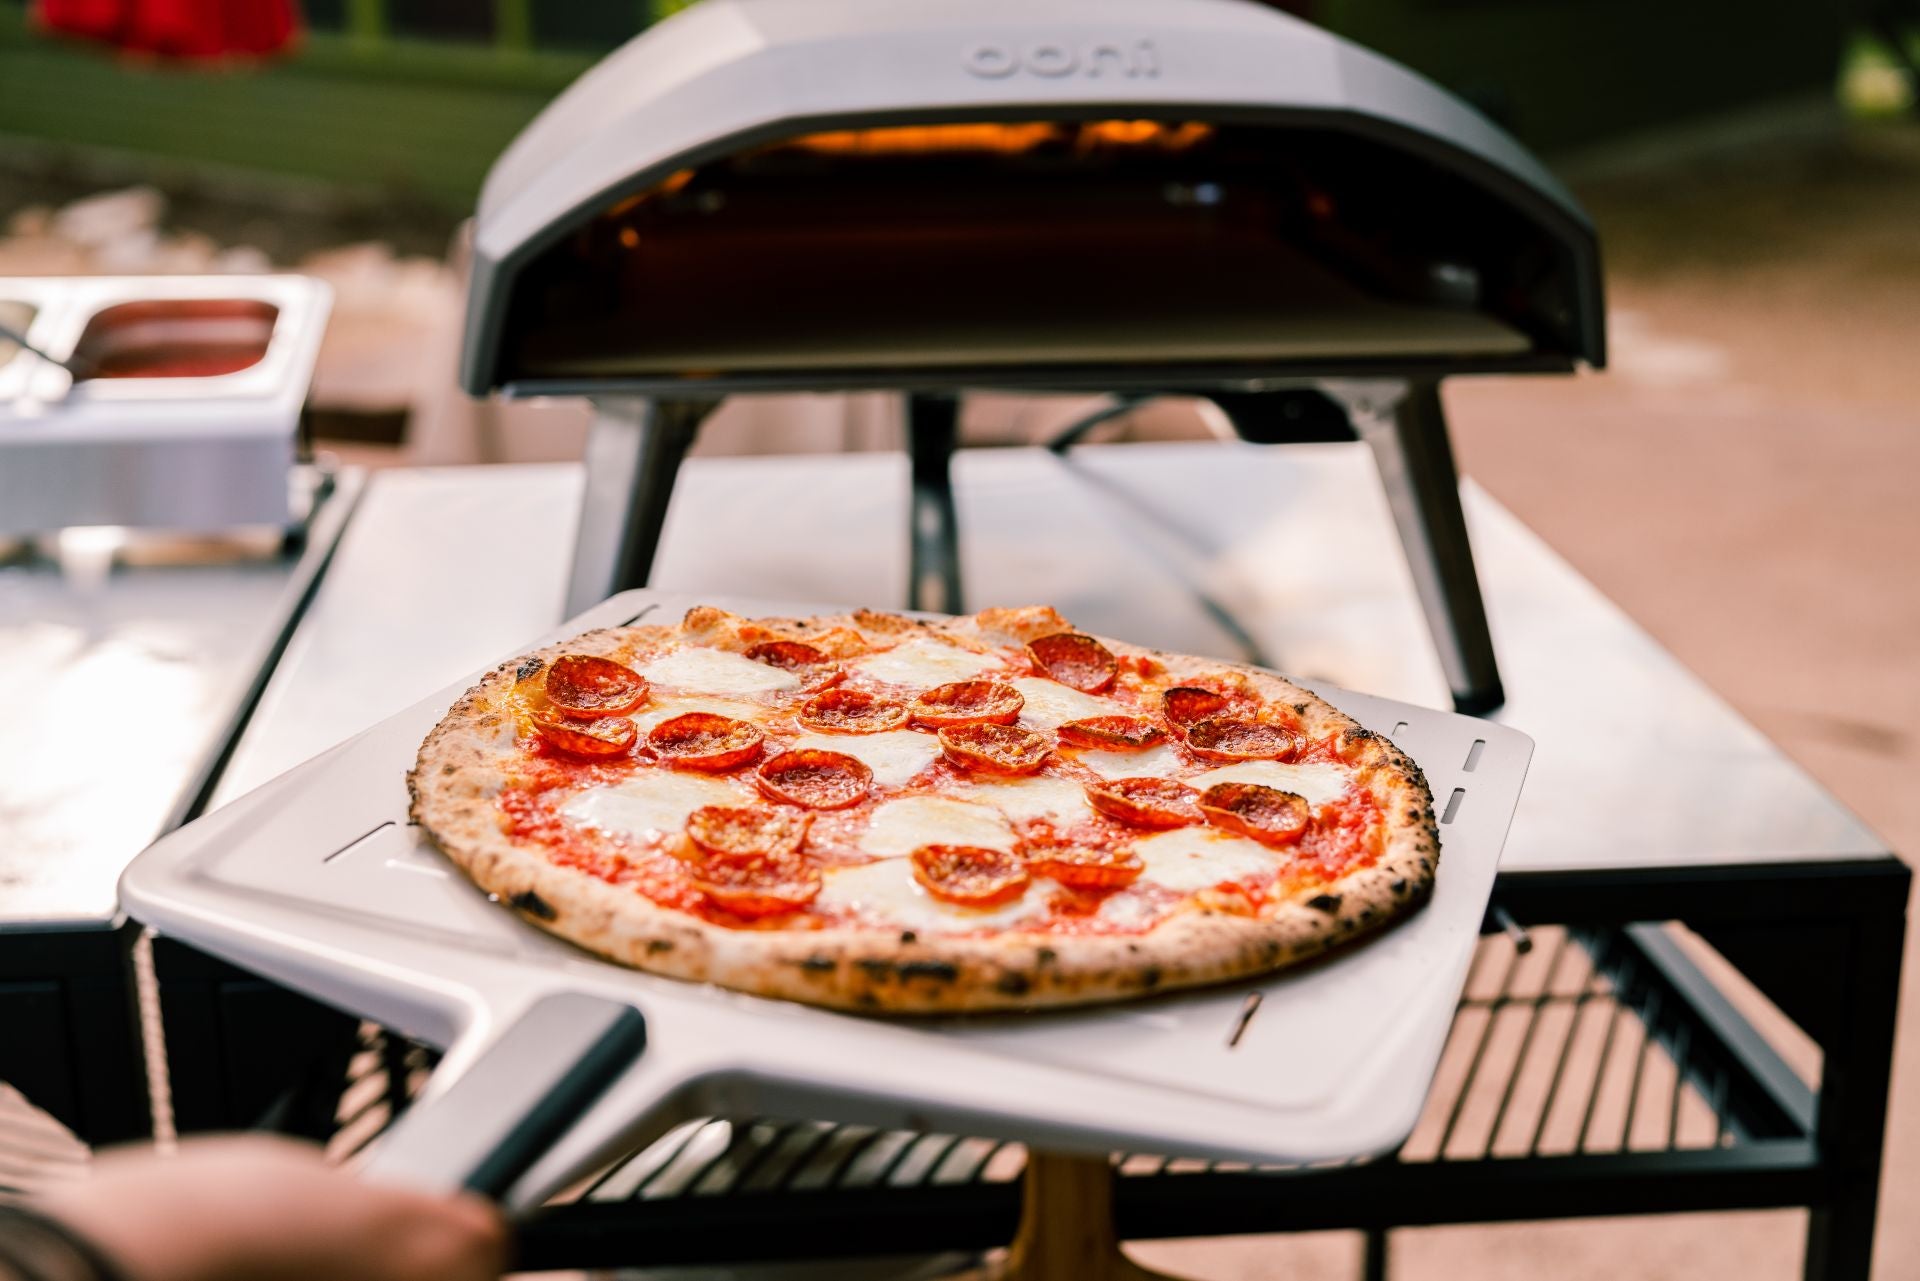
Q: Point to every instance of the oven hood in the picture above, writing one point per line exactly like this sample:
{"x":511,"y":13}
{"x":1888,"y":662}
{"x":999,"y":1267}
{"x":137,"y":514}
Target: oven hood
{"x":1166,"y":194}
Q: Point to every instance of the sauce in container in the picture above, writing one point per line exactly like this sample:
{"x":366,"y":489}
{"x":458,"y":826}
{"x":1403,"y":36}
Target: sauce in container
{"x":175,"y":338}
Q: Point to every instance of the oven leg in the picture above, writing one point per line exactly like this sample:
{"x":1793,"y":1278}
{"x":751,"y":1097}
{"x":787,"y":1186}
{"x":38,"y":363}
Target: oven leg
{"x":933,"y":431}
{"x":634,"y":450}
{"x":1409,"y":442}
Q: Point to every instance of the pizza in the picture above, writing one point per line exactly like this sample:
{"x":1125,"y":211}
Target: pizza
{"x":909,"y":815}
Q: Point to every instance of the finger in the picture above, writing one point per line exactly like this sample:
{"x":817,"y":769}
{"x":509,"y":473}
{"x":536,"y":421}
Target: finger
{"x":463,"y":1239}
{"x":483,"y":1219}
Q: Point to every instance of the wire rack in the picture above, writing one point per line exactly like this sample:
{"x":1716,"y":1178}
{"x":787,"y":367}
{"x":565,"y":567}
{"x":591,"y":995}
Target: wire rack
{"x":1559,"y":1050}
{"x":1562,"y":1046}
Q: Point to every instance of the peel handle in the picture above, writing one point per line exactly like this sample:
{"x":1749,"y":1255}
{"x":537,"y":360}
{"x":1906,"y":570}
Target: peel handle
{"x":515,"y":1101}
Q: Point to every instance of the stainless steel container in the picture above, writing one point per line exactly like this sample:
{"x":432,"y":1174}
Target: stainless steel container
{"x":177,"y":406}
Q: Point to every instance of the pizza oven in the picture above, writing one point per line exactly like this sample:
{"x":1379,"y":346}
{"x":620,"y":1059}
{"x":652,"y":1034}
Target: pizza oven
{"x":1131,"y":196}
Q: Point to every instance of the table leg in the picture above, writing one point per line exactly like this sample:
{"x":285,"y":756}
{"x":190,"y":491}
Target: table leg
{"x":1373,"y":1262}
{"x":1066,"y":1227}
{"x":1854,"y":1080}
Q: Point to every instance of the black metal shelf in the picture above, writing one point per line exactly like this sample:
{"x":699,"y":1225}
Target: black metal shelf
{"x":1581,"y":1077}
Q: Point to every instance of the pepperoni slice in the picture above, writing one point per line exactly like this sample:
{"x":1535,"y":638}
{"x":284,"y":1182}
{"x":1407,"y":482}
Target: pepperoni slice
{"x":767,"y":885}
{"x":586,"y":687}
{"x":1185,"y":704}
{"x":1232,"y":738}
{"x":1146,"y":802}
{"x":816,"y":779}
{"x":1085,"y":867}
{"x":968,"y":703}
{"x":1118,"y":733}
{"x":608,"y":736}
{"x":1267,"y":814}
{"x":705,"y":741}
{"x":746,"y":832}
{"x":813,"y":666}
{"x":851,"y":711}
{"x":971,"y":875}
{"x":1075,"y":660}
{"x":995,"y":749}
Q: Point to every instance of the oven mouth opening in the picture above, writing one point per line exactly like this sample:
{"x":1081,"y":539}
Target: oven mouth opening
{"x":1066,"y":243}
{"x":175,"y":338}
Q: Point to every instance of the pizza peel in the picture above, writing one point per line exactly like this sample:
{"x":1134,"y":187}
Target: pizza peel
{"x":557,"y":1062}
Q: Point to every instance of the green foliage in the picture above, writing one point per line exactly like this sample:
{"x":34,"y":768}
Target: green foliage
{"x":1876,"y":81}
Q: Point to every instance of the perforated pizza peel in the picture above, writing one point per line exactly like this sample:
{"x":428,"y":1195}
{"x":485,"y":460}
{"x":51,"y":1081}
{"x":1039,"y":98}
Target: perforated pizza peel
{"x":557,"y":1061}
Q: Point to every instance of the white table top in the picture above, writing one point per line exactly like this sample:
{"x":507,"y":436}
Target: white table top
{"x":1637,"y":763}
{"x":119,"y":685}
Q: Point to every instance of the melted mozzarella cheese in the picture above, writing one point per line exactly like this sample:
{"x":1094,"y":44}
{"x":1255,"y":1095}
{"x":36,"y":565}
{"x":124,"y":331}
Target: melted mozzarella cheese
{"x":886,"y":893}
{"x":1316,"y":783}
{"x":1128,"y":911}
{"x":717,"y":671}
{"x":1051,"y":704}
{"x":1155,"y":762}
{"x":903,"y":826}
{"x":894,"y":757}
{"x":1197,"y":858}
{"x":652,"y":801}
{"x":662,"y":709}
{"x":924,"y":662}
{"x":1041,"y":796}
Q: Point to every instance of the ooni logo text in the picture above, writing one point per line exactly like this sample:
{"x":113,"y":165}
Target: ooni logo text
{"x":1057,"y":61}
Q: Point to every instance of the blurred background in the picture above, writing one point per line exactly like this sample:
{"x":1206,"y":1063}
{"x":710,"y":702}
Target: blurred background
{"x":1705,"y":139}
{"x":1741,"y":480}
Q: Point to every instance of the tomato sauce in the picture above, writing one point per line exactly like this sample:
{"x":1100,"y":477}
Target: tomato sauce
{"x":1346,"y":836}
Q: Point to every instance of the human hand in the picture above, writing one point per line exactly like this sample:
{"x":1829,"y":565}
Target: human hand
{"x":259,"y":1209}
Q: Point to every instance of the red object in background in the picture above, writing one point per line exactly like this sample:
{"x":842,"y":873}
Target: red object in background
{"x":190,"y":29}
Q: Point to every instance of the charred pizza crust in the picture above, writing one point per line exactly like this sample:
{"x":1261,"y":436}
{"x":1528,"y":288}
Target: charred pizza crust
{"x":470,"y":756}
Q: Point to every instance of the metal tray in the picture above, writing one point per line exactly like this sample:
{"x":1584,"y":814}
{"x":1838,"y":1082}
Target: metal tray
{"x":317,"y":880}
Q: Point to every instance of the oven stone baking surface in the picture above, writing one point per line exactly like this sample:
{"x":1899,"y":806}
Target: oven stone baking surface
{"x":317,"y":880}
